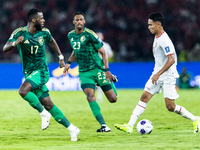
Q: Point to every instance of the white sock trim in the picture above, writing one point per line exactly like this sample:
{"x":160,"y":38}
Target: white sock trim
{"x":142,"y":104}
{"x":184,"y":113}
{"x":71,"y":127}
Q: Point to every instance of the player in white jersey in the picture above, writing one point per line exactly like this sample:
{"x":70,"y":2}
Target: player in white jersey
{"x":106,"y":46}
{"x":163,"y":77}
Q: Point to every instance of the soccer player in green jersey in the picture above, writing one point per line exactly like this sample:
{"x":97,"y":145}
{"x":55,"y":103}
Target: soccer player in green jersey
{"x":92,"y":69}
{"x":30,"y":41}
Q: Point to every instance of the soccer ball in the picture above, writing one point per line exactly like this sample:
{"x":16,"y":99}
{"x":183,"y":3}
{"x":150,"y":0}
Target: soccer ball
{"x":144,"y":126}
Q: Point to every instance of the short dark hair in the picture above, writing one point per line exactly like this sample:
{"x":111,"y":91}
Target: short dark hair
{"x":78,"y":13}
{"x":32,"y":13}
{"x":157,"y":17}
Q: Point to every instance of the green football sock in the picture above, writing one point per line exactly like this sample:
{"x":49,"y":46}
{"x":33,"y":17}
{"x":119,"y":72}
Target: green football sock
{"x":59,"y":116}
{"x":114,"y":88}
{"x":97,"y":112}
{"x":34,"y":101}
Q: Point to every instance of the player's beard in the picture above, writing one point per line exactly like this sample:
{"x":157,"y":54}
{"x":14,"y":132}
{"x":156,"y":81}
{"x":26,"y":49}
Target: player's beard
{"x":38,"y":26}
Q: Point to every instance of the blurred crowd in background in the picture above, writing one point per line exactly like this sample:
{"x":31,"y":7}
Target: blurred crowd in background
{"x":123,"y":23}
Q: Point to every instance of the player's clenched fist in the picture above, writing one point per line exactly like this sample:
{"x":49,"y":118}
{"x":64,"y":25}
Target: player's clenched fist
{"x":62,"y":63}
{"x":19,"y":40}
{"x":67,"y":66}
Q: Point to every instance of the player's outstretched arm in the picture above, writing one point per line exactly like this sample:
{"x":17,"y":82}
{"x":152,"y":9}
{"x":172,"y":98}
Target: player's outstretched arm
{"x":9,"y":45}
{"x":70,"y":60}
{"x":56,"y":49}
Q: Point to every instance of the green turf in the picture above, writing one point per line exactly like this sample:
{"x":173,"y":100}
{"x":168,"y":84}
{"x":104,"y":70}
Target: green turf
{"x":20,"y":125}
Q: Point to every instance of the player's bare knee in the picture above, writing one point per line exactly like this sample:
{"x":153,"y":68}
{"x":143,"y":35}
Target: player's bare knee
{"x":22,"y":93}
{"x":114,"y":99}
{"x":170,"y":108}
{"x":90,"y":97}
{"x":143,"y":97}
{"x":48,"y":106}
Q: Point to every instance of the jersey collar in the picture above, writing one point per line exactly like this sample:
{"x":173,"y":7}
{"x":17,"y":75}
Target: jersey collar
{"x":160,"y":35}
{"x":81,"y":32}
{"x":26,"y":28}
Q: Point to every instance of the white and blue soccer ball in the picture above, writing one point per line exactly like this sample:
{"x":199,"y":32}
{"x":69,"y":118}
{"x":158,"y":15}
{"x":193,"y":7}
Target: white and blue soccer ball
{"x":144,"y":126}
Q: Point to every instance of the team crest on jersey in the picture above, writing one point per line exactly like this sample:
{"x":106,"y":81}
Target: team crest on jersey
{"x":72,"y":39}
{"x":82,"y":38}
{"x":41,"y":40}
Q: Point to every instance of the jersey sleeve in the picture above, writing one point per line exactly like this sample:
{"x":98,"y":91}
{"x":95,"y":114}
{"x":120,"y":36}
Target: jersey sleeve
{"x":166,"y":48}
{"x":96,"y":41}
{"x":68,"y":36}
{"x":48,"y":36}
{"x":15,"y":34}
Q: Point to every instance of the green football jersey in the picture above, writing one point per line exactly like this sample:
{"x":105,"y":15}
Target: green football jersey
{"x":32,"y":49}
{"x":85,"y":46}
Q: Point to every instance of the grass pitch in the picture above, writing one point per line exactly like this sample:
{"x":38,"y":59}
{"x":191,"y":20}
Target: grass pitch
{"x":20,"y":125}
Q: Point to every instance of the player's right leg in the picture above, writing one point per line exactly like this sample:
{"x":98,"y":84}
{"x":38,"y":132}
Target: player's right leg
{"x":149,"y":91}
{"x":26,"y":93}
{"x":32,"y":89}
{"x":139,"y":109}
{"x":33,"y":82}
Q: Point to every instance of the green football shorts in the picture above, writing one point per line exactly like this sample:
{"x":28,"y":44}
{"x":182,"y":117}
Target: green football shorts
{"x":89,"y":79}
{"x":38,"y":79}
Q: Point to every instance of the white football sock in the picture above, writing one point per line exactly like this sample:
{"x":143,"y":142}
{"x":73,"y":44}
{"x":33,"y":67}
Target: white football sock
{"x":184,"y":113}
{"x":139,"y":109}
{"x":71,"y":127}
{"x":43,"y":112}
{"x":99,"y":94}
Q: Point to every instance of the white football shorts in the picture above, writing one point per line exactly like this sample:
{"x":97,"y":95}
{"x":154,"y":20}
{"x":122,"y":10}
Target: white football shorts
{"x":165,"y":83}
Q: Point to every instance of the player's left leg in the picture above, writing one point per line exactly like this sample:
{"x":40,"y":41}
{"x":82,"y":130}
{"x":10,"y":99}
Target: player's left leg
{"x":109,"y":92}
{"x":58,"y":116}
{"x":137,"y":112}
{"x":107,"y":87}
{"x":171,"y":106}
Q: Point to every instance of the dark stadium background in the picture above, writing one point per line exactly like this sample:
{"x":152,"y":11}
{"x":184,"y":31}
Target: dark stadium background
{"x":123,"y":22}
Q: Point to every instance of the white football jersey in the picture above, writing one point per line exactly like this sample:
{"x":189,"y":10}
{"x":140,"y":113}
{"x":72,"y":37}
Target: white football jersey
{"x":163,"y":47}
{"x":107,"y":49}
